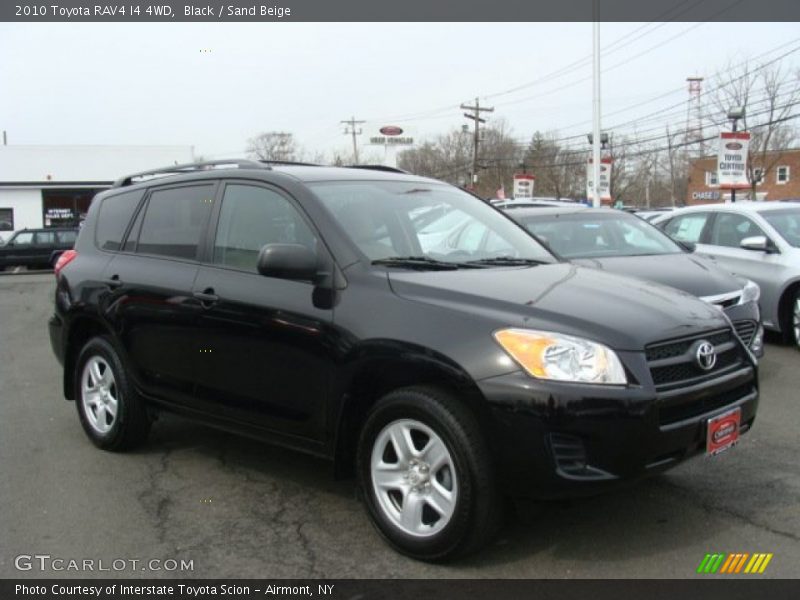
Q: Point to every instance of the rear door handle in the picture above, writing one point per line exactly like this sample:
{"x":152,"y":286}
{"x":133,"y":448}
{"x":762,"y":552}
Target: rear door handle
{"x":113,"y":281}
{"x":207,"y":297}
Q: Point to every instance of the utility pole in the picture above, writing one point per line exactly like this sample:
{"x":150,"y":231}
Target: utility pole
{"x":596,"y":107}
{"x":477,"y":120}
{"x":354,"y":132}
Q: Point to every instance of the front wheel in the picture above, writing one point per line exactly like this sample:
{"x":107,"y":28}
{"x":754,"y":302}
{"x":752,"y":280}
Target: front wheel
{"x":112,"y":414}
{"x":795,"y":319}
{"x":426,"y":475}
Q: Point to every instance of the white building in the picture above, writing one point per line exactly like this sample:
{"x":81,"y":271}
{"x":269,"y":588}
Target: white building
{"x":49,"y":186}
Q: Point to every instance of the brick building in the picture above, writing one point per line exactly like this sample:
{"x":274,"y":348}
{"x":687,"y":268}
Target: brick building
{"x":781,"y":182}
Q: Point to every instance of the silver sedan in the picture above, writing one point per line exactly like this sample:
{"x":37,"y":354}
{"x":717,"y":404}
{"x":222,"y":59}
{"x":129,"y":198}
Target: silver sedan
{"x":759,"y":241}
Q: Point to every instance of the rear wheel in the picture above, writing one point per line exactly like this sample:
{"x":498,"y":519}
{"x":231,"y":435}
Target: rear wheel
{"x":426,"y":476}
{"x":113,"y":416}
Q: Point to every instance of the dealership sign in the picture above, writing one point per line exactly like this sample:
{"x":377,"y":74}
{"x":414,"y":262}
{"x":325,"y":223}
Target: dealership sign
{"x":732,"y":160}
{"x":391,"y":135}
{"x":605,"y":179}
{"x":523,"y":185}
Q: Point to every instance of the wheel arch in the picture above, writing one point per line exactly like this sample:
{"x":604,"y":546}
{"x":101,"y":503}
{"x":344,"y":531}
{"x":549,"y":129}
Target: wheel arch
{"x":785,"y":304}
{"x":81,"y":329}
{"x":374,"y":371}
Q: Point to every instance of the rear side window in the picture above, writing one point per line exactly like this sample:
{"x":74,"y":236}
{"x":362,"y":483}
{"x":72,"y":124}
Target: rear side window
{"x":115,"y":214}
{"x":174,"y":221}
{"x":730,"y":229}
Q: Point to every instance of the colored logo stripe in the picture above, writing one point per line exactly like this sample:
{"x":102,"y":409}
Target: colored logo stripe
{"x":734,"y":563}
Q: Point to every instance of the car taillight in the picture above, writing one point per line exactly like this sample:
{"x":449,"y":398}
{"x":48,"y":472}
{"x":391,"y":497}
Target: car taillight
{"x":66,"y":257}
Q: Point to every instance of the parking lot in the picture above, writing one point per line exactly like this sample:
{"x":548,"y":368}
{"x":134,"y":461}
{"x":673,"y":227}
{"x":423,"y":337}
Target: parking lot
{"x":238,"y":508}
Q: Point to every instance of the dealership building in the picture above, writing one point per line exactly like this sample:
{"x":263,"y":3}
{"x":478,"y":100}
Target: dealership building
{"x":778,"y":179}
{"x":52,"y":186}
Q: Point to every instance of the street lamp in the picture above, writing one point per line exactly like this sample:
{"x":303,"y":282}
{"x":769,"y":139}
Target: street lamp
{"x":603,"y":139}
{"x":734,"y":114}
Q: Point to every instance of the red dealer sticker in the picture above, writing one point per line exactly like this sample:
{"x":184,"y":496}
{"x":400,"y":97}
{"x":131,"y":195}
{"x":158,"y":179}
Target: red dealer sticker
{"x":723,"y":431}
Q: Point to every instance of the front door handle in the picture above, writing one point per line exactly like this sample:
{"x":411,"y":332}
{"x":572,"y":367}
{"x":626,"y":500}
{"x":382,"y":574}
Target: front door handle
{"x":207,"y":297}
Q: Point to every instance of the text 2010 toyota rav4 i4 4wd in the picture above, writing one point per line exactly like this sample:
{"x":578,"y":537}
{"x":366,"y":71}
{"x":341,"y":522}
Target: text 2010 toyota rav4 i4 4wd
{"x":319,"y":308}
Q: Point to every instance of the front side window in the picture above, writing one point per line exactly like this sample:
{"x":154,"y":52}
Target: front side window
{"x":786,"y":223}
{"x":687,"y":228}
{"x":730,"y":229}
{"x":44,"y":238}
{"x":67,"y":237}
{"x":388,"y":219}
{"x":250,"y":218}
{"x":174,"y":221}
{"x":23,"y":239}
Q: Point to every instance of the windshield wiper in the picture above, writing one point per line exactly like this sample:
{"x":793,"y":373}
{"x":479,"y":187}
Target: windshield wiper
{"x":422,"y":262}
{"x":507,"y":261}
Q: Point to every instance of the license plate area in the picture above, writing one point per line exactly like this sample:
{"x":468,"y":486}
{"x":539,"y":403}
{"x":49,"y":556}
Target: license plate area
{"x":722,"y":431}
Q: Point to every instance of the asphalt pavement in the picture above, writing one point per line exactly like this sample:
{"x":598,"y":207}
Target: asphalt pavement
{"x":234,"y":507}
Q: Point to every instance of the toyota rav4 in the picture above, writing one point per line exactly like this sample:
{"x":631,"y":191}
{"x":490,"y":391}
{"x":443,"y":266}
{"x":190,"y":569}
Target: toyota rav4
{"x":318,"y":308}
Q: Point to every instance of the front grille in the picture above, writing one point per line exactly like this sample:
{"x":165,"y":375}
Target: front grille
{"x":746,"y":330}
{"x":673,"y":363}
{"x":674,"y":410}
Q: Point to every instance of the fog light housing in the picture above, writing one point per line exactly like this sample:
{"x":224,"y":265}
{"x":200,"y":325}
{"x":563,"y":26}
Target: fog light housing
{"x":757,"y":345}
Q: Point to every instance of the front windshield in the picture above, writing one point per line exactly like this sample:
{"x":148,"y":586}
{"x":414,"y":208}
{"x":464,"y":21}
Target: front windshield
{"x":591,"y":234}
{"x":786,"y":223}
{"x":430,"y":221}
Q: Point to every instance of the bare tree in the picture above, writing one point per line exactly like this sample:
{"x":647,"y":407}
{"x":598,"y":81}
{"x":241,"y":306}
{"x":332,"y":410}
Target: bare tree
{"x":559,"y":172}
{"x":273,"y":145}
{"x":768,"y":95}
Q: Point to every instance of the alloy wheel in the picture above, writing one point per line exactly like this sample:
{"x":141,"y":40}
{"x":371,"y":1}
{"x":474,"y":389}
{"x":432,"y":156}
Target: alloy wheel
{"x":414,"y":478}
{"x":99,"y":394}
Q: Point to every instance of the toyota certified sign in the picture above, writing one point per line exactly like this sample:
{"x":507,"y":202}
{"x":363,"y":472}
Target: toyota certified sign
{"x":391,"y":130}
{"x":732,"y":160}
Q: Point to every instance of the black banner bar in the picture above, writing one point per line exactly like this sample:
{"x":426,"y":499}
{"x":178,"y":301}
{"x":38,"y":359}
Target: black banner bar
{"x":735,"y":588}
{"x":118,"y":11}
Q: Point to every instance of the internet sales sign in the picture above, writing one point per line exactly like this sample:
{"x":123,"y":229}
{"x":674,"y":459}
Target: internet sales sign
{"x":732,"y":160}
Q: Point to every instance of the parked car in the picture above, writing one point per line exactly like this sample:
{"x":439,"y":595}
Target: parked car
{"x":756,"y":240}
{"x":533,"y":202}
{"x":622,"y":243}
{"x":651,"y":214}
{"x":296,"y":305}
{"x":36,"y":248}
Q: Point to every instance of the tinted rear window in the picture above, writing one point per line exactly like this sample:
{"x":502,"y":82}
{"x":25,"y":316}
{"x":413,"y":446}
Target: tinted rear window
{"x":174,"y":221}
{"x":115,"y":214}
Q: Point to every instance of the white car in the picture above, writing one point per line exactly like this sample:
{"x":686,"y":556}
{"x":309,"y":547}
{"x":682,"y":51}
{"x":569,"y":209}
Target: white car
{"x":759,"y":241}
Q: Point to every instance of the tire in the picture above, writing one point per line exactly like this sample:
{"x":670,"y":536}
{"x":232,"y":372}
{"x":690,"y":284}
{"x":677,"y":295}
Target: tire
{"x":793,"y":320}
{"x":426,"y":475}
{"x":113,"y":416}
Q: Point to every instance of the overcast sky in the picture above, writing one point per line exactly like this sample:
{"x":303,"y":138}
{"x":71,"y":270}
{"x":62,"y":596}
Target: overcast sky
{"x":151,"y":84}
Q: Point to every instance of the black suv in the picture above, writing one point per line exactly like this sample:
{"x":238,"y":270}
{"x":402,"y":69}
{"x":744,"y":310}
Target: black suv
{"x":318,"y":308}
{"x":36,"y":248}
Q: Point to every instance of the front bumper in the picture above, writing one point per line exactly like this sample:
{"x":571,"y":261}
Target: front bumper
{"x":556,"y":440}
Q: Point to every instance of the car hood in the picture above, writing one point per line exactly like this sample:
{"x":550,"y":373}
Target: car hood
{"x":694,"y":274}
{"x":622,"y":312}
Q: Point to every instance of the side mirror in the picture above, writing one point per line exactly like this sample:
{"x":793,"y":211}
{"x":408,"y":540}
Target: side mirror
{"x":757,"y":242}
{"x":287,"y":261}
{"x":688,"y":246}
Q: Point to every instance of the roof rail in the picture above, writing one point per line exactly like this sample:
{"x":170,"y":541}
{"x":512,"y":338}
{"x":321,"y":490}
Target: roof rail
{"x":378,"y":168}
{"x":289,"y":163}
{"x":207,"y":165}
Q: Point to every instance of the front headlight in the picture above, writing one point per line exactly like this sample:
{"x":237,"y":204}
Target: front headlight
{"x":560,"y":357}
{"x":750,"y":292}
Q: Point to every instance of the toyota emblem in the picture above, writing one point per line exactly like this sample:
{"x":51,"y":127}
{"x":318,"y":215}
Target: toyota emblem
{"x":705,"y":355}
